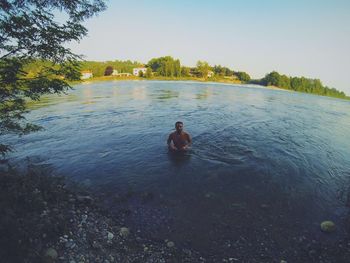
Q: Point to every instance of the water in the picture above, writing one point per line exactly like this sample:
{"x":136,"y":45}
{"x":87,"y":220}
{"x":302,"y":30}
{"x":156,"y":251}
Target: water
{"x":266,"y":165}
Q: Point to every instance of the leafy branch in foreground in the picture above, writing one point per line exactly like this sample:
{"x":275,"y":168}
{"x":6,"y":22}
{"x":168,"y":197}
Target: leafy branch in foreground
{"x":29,"y":32}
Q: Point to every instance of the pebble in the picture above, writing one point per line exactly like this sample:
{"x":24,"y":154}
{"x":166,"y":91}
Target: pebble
{"x":84,"y":218}
{"x":124,"y":231}
{"x":51,"y":254}
{"x":110,"y":236}
{"x":70,"y":244}
{"x":170,"y":244}
{"x":96,"y":245}
{"x":86,"y":198}
{"x":327,"y":226}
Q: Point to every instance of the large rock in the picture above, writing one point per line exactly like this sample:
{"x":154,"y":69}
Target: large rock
{"x":327,"y":226}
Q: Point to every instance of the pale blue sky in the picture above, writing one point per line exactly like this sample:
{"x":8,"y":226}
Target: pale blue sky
{"x":300,"y":37}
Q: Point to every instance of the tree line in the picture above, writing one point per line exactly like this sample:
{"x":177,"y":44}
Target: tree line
{"x":167,"y":66}
{"x":300,"y":84}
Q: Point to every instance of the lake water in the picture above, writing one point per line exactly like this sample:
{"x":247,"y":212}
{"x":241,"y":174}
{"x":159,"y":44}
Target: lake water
{"x":267,"y":166}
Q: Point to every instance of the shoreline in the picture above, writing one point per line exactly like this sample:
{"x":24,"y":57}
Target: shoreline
{"x":49,"y":219}
{"x":199,"y":80}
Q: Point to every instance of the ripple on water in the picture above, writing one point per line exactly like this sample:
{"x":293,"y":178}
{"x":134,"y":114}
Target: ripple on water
{"x":259,"y":157}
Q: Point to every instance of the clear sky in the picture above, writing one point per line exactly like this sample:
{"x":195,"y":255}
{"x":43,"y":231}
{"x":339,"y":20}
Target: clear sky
{"x":297,"y":38}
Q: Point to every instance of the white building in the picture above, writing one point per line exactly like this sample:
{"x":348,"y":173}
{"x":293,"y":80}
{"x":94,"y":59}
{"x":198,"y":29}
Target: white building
{"x":115,"y":72}
{"x":136,"y":71}
{"x":86,"y":74}
{"x":210,"y":74}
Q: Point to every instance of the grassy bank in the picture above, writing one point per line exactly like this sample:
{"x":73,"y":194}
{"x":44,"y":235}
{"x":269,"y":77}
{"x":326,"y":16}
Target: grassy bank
{"x":116,"y":78}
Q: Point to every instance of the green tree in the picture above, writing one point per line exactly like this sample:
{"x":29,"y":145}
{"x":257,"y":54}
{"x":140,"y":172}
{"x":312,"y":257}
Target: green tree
{"x":242,"y":76}
{"x":29,"y":31}
{"x":165,"y":66}
{"x":185,"y":71}
{"x":218,"y":70}
{"x":149,"y":73}
{"x":108,"y":71}
{"x":222,"y":71}
{"x":140,"y":74}
{"x":271,"y":79}
{"x":177,"y":68}
{"x":300,"y":84}
{"x":203,"y":68}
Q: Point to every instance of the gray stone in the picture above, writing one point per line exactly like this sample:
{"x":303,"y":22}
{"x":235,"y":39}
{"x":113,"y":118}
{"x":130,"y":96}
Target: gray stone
{"x":170,"y":244}
{"x":85,"y":198}
{"x":110,"y":236}
{"x":50,"y":255}
{"x":327,"y":226}
{"x":124,"y":231}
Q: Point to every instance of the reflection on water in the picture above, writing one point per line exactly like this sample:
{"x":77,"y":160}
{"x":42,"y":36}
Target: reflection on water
{"x":139,"y":93}
{"x":88,"y":96}
{"x":204,"y":94}
{"x":264,"y":163}
{"x":167,"y":94}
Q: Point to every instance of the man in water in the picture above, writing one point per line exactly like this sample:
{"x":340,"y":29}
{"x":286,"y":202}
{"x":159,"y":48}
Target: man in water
{"x":179,"y":140}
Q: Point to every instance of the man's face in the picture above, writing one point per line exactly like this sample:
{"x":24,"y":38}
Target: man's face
{"x":179,"y":127}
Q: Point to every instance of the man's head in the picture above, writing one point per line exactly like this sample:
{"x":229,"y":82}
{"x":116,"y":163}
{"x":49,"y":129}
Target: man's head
{"x":179,"y":126}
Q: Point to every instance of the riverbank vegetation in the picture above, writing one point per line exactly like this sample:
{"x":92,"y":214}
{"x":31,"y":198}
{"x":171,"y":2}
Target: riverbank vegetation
{"x":168,"y":68}
{"x":33,"y":58}
{"x":300,"y":84}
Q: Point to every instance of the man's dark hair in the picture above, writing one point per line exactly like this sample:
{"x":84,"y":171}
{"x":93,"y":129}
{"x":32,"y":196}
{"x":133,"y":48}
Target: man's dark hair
{"x":178,"y":122}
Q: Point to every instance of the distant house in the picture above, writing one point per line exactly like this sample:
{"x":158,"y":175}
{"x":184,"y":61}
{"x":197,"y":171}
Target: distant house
{"x":86,"y":74}
{"x":115,"y":72}
{"x":210,"y":74}
{"x":136,"y":71}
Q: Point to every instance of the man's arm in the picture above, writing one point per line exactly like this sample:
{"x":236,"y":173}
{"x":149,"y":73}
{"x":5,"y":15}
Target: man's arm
{"x":189,"y":139}
{"x":171,"y":146}
{"x":189,"y":142}
{"x":169,"y":139}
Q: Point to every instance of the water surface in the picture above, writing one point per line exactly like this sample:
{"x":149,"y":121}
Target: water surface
{"x":265,"y":164}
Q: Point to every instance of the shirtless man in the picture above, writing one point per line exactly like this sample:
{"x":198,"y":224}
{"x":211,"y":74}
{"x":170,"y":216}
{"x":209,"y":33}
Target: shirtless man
{"x":181,"y":140}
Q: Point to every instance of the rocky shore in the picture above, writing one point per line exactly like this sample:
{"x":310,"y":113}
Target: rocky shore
{"x":47,"y":219}
{"x":44,"y":220}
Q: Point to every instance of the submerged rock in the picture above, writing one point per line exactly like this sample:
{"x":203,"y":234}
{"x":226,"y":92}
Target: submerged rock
{"x":124,"y":231}
{"x":170,"y":244}
{"x":327,"y":226}
{"x":50,"y":255}
{"x":110,"y":236}
{"x":84,"y":198}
